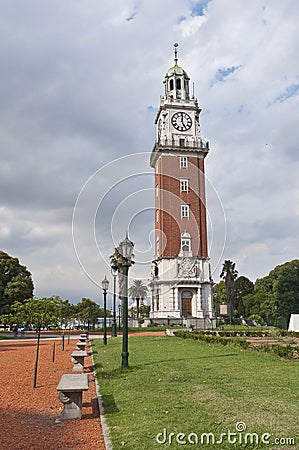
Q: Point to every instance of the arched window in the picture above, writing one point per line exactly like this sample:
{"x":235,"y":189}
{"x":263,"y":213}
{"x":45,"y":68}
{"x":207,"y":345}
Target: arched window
{"x":186,"y":245}
{"x":187,"y":294}
{"x":178,"y":83}
{"x":186,"y":242}
{"x":171,"y":85}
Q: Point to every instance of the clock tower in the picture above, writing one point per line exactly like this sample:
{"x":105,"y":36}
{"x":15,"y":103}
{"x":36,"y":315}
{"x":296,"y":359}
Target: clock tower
{"x":181,"y":277}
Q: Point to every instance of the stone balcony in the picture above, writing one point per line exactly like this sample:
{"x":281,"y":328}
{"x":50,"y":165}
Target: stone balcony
{"x":181,"y":145}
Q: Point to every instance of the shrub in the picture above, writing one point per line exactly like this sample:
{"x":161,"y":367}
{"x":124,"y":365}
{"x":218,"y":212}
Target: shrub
{"x":283,"y":351}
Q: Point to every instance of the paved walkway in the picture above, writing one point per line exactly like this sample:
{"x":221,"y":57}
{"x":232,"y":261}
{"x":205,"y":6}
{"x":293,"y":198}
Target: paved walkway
{"x":27,"y":415}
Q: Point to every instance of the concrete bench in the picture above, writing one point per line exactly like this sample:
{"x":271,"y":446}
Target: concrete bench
{"x":83,"y":337}
{"x":78,"y":360}
{"x":80,"y":345}
{"x":70,"y":390}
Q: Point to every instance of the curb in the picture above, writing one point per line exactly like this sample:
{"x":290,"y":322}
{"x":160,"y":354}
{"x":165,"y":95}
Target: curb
{"x":105,"y":428}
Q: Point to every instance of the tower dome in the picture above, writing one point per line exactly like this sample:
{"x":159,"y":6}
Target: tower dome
{"x":175,"y":70}
{"x":176,"y":80}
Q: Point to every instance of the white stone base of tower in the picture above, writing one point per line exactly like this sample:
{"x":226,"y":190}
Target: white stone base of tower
{"x":181,"y":292}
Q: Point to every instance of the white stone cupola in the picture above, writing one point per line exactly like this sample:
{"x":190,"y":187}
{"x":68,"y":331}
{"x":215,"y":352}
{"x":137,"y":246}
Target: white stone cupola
{"x":176,"y":81}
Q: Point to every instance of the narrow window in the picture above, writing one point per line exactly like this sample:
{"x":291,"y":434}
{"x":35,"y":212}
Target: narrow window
{"x":183,"y":162}
{"x":185,"y":211}
{"x":157,"y":215}
{"x":182,"y":142}
{"x":171,"y":85}
{"x":184,"y":184}
{"x":187,"y":89}
{"x":157,"y":190}
{"x":178,"y":83}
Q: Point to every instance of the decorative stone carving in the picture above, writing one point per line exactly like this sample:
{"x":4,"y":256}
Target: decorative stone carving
{"x":64,"y":398}
{"x":187,"y":268}
{"x":154,"y":270}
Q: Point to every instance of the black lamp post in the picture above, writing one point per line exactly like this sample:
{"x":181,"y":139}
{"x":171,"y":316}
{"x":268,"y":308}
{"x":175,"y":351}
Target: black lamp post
{"x":114,"y":273}
{"x":105,"y":285}
{"x":126,"y":250}
{"x":119,"y":316}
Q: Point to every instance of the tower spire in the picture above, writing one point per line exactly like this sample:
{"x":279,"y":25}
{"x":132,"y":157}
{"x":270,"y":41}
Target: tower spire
{"x":176,"y":53}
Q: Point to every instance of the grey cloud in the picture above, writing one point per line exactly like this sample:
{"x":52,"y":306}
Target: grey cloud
{"x":76,"y":82}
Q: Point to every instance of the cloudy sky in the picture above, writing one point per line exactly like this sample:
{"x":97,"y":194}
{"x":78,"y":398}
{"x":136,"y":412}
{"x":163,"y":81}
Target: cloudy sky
{"x":80,"y":86}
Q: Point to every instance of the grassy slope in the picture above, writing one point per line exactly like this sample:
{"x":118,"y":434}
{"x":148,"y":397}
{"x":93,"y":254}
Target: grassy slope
{"x":186,"y":386}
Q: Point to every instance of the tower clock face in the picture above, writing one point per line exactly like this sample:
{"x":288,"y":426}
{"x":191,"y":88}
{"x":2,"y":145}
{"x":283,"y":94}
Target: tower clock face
{"x":181,"y":121}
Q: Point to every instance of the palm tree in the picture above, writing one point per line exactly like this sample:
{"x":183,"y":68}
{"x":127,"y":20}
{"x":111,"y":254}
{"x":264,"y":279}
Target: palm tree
{"x":229,"y":274}
{"x":138,"y":291}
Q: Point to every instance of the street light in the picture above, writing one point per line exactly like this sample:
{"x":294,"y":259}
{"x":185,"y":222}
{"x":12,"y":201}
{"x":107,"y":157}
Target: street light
{"x":126,"y":251}
{"x":114,"y":273}
{"x":105,"y":285}
{"x":119,"y":316}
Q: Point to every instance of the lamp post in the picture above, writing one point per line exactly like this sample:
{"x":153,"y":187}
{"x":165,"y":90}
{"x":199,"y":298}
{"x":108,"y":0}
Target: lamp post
{"x":114,"y":273}
{"x":105,"y":285}
{"x":119,"y":316}
{"x":126,"y":250}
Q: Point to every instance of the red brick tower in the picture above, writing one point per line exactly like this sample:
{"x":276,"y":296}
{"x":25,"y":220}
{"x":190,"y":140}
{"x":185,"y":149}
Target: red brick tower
{"x":181,"y":281}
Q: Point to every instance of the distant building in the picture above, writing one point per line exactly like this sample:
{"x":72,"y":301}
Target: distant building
{"x":181,"y":276}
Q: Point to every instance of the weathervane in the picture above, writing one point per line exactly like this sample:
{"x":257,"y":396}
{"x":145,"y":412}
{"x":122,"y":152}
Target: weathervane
{"x":175,"y":53}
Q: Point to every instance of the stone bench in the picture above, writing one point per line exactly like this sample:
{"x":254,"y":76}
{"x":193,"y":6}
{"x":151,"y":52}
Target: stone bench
{"x":78,"y":360}
{"x":83,"y":337}
{"x":80,"y":345}
{"x":70,"y":390}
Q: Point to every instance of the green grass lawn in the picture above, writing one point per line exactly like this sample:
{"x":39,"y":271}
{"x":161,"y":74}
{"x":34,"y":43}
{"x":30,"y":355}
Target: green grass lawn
{"x":186,"y":386}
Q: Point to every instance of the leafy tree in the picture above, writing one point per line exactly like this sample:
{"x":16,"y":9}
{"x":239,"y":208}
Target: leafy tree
{"x":229,"y":274}
{"x":219,"y":296}
{"x":15,"y":282}
{"x":219,"y":293}
{"x":144,"y":311}
{"x":243,"y":287}
{"x":37,"y":312}
{"x":88,"y":312}
{"x":276,"y":295}
{"x":285,"y":288}
{"x":138,"y":291}
{"x":67,"y":312}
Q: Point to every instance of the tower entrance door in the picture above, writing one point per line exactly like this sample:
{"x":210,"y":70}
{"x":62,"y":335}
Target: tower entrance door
{"x":186,"y":303}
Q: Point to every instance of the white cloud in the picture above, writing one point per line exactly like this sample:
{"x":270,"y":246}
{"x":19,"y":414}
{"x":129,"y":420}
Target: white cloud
{"x":189,"y":26}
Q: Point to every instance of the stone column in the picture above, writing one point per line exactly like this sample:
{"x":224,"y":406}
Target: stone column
{"x":199,"y":305}
{"x":176,"y":299}
{"x":209,"y":300}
